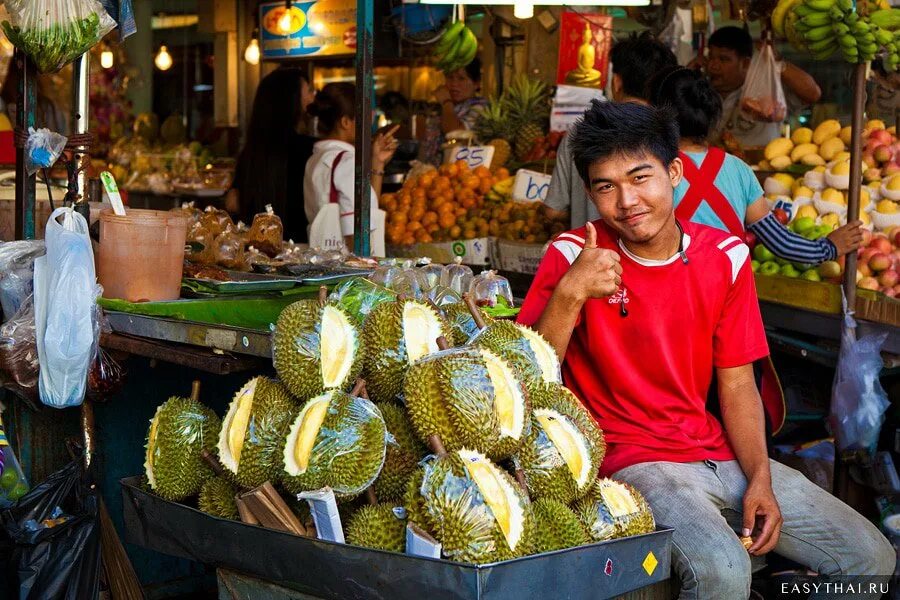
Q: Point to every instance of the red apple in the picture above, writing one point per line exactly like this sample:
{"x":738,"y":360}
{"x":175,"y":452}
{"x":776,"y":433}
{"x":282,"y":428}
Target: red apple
{"x":879,"y":262}
{"x":866,"y":237}
{"x":891,"y":168}
{"x":882,"y":135}
{"x":750,"y":239}
{"x":883,"y":154}
{"x":889,"y":292}
{"x":881,"y":243}
{"x":868,"y":283}
{"x":863,"y":269}
{"x":867,"y":253}
{"x":781,"y":215}
{"x":896,"y":233}
{"x":889,"y":278}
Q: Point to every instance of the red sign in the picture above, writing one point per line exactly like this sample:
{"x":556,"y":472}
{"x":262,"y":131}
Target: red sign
{"x":585,"y":40}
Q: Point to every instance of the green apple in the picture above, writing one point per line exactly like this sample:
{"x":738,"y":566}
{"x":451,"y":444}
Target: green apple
{"x":754,"y":265}
{"x":769,"y":267}
{"x":811,"y":275}
{"x":803,"y":224}
{"x":781,"y":262}
{"x":823,"y":231}
{"x":789,"y":271}
{"x":803,"y":266}
{"x":762,"y":254}
{"x":829,"y":269}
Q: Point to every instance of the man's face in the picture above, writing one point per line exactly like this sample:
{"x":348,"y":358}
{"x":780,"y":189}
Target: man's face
{"x":633,"y":194}
{"x":726,"y":69}
{"x":460,"y":86}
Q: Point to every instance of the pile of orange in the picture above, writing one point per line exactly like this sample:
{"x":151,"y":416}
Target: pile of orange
{"x":440,"y":205}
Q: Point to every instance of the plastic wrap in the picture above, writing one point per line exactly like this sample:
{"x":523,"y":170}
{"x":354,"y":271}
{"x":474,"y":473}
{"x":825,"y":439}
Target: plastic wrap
{"x":386,"y":273}
{"x":229,"y":250}
{"x":19,"y":365}
{"x":454,"y":394}
{"x":530,"y":353}
{"x":461,"y":323}
{"x":106,"y":377}
{"x":457,"y":513}
{"x":190,"y":213}
{"x":410,"y":281}
{"x":42,"y":149}
{"x":489,"y":289}
{"x":763,"y":95}
{"x":359,"y":296}
{"x":612,"y":509}
{"x":66,"y":311}
{"x":349,"y":448}
{"x":548,"y":473}
{"x":215,"y":220}
{"x":457,"y":276}
{"x":56,"y":32}
{"x":13,"y":484}
{"x":431,"y":274}
{"x":17,"y":273}
{"x":202,"y":245}
{"x":267,"y":232}
{"x":443,"y":296}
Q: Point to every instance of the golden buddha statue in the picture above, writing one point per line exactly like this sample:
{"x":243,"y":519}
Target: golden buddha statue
{"x":585,"y":74}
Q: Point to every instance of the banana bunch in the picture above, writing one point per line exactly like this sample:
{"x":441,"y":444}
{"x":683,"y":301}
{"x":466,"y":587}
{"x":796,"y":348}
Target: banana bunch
{"x":456,"y":48}
{"x":501,"y":191}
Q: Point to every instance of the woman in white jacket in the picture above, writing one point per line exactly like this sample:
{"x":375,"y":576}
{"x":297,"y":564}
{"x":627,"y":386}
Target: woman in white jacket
{"x":329,"y":173}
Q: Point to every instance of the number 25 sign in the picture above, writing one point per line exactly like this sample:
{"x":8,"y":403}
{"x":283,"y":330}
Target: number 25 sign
{"x":475,"y":156}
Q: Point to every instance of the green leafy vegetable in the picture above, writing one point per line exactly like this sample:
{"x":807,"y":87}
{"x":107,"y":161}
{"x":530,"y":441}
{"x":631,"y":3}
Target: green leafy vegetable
{"x":52,"y":47}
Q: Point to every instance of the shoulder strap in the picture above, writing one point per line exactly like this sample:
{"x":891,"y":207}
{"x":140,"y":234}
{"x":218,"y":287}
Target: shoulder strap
{"x":701,"y":186}
{"x":333,"y":194}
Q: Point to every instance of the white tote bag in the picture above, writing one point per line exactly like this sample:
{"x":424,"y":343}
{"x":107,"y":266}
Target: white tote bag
{"x":325,"y":230}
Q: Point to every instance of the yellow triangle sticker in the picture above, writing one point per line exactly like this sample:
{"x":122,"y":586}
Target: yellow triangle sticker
{"x":650,"y":563}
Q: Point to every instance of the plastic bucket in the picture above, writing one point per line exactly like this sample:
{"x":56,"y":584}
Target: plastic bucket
{"x":141,"y":255}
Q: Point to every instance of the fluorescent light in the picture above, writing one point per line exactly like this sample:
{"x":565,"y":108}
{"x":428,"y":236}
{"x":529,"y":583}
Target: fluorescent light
{"x":523,"y":10}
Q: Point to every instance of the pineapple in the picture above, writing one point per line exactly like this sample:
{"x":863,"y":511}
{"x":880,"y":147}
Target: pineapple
{"x":528,"y":102}
{"x":494,"y":121}
{"x":502,"y":153}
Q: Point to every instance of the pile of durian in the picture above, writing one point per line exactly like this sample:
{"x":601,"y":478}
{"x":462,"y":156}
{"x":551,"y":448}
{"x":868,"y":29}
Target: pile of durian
{"x":463,"y":429}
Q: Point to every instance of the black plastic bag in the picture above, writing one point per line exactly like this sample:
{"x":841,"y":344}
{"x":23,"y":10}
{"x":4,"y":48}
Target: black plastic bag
{"x":55,"y":529}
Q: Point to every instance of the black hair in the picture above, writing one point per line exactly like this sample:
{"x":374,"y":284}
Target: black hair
{"x":636,"y":58}
{"x":622,"y":128}
{"x":473,"y":70}
{"x":689,"y":94}
{"x":262,"y":165}
{"x":334,"y":101}
{"x":732,"y":38}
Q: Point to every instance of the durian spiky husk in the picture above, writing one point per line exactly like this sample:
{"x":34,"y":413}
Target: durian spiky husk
{"x":341,"y":446}
{"x":395,"y":335}
{"x":612,"y":509}
{"x":524,"y":348}
{"x":470,"y":398}
{"x":552,"y":469}
{"x":217,"y":498}
{"x":473,"y":508}
{"x":377,"y":526}
{"x":180,"y":429}
{"x":401,"y":457}
{"x":255,"y":457}
{"x":556,"y":526}
{"x":462,"y":325}
{"x":317,"y":347}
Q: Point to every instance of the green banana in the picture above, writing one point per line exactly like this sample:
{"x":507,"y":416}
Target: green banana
{"x":450,"y":35}
{"x":883,"y":37}
{"x":845,"y":5}
{"x":452,"y":53}
{"x":859,"y":27}
{"x":825,"y":53}
{"x":818,"y":33}
{"x":836,"y":14}
{"x":851,"y":18}
{"x":847,"y":41}
{"x":840,"y":29}
{"x":817,"y":19}
{"x":886,"y":19}
{"x":819,"y":5}
{"x":868,"y":49}
{"x":803,"y":10}
{"x":470,"y":48}
{"x":823,"y":44}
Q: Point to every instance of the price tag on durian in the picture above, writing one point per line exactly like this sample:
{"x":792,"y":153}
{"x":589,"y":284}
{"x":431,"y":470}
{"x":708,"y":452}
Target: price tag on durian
{"x":475,"y":156}
{"x":323,"y":508}
{"x":419,"y":543}
{"x":530,"y":186}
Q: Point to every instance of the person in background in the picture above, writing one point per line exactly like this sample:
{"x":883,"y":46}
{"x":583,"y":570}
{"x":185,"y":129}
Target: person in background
{"x":719,"y":189}
{"x":269,"y":165}
{"x":334,"y":156}
{"x":395,"y":107}
{"x":459,"y":97}
{"x":634,"y":60}
{"x":730,"y":52}
{"x":883,"y":96}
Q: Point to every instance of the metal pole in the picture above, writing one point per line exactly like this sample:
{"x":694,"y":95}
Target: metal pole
{"x":365,"y":96}
{"x":81,"y":71}
{"x":25,"y":184}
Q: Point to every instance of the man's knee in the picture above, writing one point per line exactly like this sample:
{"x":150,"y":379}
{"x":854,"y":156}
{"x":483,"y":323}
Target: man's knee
{"x":724,"y":575}
{"x":883,"y":559}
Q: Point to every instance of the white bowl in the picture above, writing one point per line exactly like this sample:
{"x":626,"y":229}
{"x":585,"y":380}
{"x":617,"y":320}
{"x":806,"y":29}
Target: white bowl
{"x":830,"y":207}
{"x":889,"y":194}
{"x":838,"y":182}
{"x":882,"y":221}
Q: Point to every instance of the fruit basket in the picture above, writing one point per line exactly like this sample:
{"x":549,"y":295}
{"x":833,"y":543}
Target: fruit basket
{"x":323,"y":569}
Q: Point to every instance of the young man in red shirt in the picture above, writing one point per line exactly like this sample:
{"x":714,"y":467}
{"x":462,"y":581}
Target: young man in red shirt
{"x":642,"y":308}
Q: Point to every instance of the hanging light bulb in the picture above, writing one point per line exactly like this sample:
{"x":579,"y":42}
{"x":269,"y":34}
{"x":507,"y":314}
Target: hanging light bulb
{"x":523,"y":10}
{"x":163,"y":60}
{"x":251,"y":53}
{"x":285,"y":21}
{"x":107,"y":58}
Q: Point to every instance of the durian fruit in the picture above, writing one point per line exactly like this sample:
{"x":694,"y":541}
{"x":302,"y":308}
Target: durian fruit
{"x":217,"y":498}
{"x":413,"y":501}
{"x":180,"y":429}
{"x":377,"y":526}
{"x":612,"y":509}
{"x":561,"y":456}
{"x":462,"y":325}
{"x":396,"y":335}
{"x":471,"y":398}
{"x":253,"y":432}
{"x":358,"y":297}
{"x":402,"y":456}
{"x":337,"y":440}
{"x":556,"y":526}
{"x":524,"y":348}
{"x":474,"y":509}
{"x":316,"y":347}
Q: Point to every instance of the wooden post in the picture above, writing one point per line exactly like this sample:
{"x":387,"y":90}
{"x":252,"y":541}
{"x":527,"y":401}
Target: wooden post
{"x":26,"y":104}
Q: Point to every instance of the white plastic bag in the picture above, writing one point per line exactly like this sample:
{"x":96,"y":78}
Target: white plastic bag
{"x":43,"y":149}
{"x":56,"y":32}
{"x":66,"y":313}
{"x":325,"y":230}
{"x":763,"y":95}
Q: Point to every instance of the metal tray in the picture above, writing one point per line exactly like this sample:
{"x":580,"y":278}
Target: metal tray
{"x":329,"y":276}
{"x":339,"y":571}
{"x":242,"y":282}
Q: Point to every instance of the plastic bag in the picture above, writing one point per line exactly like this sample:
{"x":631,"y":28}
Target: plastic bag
{"x":42,"y":149}
{"x":56,"y":531}
{"x":106,"y":376}
{"x":66,"y":312}
{"x":763,"y":95}
{"x":17,"y":273}
{"x":55,"y":32}
{"x":215,"y":221}
{"x":490,"y":289}
{"x":266,"y":232}
{"x":359,"y":296}
{"x":201,"y":243}
{"x":858,"y":400}
{"x":457,"y":277}
{"x":19,"y":365}
{"x":13,"y":484}
{"x":431,"y":273}
{"x":229,"y":249}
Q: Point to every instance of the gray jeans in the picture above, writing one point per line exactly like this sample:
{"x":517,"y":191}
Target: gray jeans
{"x":703,"y":502}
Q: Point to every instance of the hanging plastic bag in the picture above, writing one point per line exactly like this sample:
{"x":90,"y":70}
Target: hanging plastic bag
{"x":858,"y":400}
{"x":17,"y":273}
{"x":42,"y":149}
{"x":763,"y":95}
{"x":56,"y":531}
{"x":55,"y":32}
{"x":19,"y":366}
{"x":66,"y":313}
{"x":13,"y":484}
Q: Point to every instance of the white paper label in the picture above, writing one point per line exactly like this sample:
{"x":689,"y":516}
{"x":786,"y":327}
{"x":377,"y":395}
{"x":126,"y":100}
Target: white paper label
{"x":421,"y":545}
{"x":475,"y":156}
{"x":325,"y":514}
{"x":530,"y":186}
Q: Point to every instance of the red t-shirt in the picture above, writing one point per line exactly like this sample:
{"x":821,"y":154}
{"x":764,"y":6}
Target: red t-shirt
{"x":645,"y":376}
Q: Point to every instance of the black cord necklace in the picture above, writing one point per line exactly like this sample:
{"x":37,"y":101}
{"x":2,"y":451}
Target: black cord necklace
{"x":623,"y":311}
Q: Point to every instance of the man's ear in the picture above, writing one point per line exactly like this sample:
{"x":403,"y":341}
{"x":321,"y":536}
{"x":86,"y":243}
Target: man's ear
{"x":676,"y":171}
{"x":616,"y":86}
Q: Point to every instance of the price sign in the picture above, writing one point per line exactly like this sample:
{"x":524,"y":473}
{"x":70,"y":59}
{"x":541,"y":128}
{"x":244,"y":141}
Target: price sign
{"x":530,"y":186}
{"x":323,"y":506}
{"x":475,"y":156}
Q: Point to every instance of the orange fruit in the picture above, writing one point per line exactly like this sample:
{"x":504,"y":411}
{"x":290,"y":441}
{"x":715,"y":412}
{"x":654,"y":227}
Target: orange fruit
{"x":409,"y":239}
{"x":501,"y":173}
{"x":455,"y":232}
{"x":482,"y":172}
{"x":442,"y":183}
{"x":429,"y":217}
{"x":446,"y":220}
{"x":461,"y":166}
{"x":485,"y":185}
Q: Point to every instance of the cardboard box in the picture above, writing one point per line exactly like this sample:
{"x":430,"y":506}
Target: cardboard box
{"x":476,"y":252}
{"x":518,"y":257}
